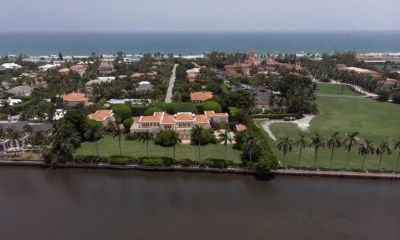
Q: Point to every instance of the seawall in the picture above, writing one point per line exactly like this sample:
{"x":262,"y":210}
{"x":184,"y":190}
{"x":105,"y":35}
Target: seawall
{"x":242,"y":171}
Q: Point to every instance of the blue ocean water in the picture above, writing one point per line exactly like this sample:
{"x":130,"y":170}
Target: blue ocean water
{"x":196,"y":43}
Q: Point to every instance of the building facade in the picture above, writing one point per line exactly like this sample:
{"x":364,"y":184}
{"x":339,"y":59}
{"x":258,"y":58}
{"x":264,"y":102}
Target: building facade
{"x":182,"y":122}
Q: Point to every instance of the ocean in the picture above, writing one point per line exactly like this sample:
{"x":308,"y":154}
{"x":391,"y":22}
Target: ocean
{"x":186,"y":43}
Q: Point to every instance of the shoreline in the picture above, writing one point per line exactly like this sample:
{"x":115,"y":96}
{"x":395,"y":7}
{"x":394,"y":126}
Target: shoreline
{"x":240,"y":171}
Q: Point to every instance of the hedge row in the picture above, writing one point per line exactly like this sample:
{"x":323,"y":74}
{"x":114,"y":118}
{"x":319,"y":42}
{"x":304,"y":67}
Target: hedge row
{"x":155,"y":161}
{"x":277,"y":116}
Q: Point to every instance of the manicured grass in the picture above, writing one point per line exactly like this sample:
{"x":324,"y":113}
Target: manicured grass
{"x":327,"y":88}
{"x":109,"y":146}
{"x":375,"y":121}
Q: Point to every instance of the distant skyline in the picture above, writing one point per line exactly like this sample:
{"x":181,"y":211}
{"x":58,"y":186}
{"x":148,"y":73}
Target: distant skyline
{"x":205,"y":16}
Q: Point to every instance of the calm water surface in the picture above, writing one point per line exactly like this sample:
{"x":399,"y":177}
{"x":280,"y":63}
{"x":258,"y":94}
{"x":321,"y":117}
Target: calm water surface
{"x":100,"y":204}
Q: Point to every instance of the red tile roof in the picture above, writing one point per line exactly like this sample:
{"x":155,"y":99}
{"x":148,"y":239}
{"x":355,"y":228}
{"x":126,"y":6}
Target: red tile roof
{"x":184,"y":117}
{"x":201,"y":96}
{"x":241,"y":127}
{"x":101,"y":115}
{"x":168,"y":119}
{"x":74,"y":97}
{"x":201,"y":118}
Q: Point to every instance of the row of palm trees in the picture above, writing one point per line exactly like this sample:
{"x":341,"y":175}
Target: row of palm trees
{"x":351,"y":140}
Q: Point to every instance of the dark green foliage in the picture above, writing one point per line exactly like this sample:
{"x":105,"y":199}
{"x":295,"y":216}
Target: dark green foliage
{"x":206,"y":138}
{"x":187,"y":162}
{"x":3,"y":117}
{"x":128,"y":123}
{"x":123,"y":111}
{"x":163,"y":139}
{"x":78,"y":118}
{"x":217,"y":163}
{"x":102,"y":101}
{"x":137,"y":111}
{"x":24,"y":105}
{"x":199,"y":108}
{"x":224,"y":89}
{"x":212,"y":106}
{"x":152,"y":110}
{"x":277,"y":116}
{"x":132,"y":137}
{"x":153,"y":162}
{"x":396,"y":97}
{"x":383,"y":93}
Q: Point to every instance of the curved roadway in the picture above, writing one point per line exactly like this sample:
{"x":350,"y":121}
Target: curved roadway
{"x":168,"y":98}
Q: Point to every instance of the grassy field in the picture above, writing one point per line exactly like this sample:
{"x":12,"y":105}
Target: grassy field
{"x":375,"y":121}
{"x":335,"y":89}
{"x":109,"y":146}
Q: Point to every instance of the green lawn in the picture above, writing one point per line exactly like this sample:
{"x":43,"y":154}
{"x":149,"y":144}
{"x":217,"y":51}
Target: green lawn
{"x":375,"y":121}
{"x":327,"y":88}
{"x":109,"y":146}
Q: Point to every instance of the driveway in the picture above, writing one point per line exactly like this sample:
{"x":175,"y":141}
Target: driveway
{"x":168,"y":98}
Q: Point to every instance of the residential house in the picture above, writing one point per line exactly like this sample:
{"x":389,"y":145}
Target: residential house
{"x":6,"y":66}
{"x":100,"y":80}
{"x":199,"y":97}
{"x":106,"y":67}
{"x":360,"y":71}
{"x":79,"y":68}
{"x":144,"y":86}
{"x":151,"y":75}
{"x":64,"y":70}
{"x":242,"y":69}
{"x":9,"y":144}
{"x":103,"y":116}
{"x":182,"y":122}
{"x":46,"y":67}
{"x":240,"y":127}
{"x":73,"y":99}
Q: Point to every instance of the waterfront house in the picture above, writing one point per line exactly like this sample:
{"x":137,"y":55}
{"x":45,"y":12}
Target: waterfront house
{"x":9,"y":144}
{"x":46,"y":67}
{"x":182,"y":122}
{"x":73,"y":99}
{"x":103,"y":116}
{"x":242,"y":69}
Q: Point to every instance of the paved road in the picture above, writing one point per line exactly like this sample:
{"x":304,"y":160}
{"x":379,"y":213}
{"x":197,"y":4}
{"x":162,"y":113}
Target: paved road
{"x":168,"y":98}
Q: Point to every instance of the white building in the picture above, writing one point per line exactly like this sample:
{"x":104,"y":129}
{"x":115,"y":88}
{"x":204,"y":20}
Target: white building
{"x":6,"y":66}
{"x":100,"y":80}
{"x":60,"y":113}
{"x":194,"y":70}
{"x":46,"y":67}
{"x":132,"y":101}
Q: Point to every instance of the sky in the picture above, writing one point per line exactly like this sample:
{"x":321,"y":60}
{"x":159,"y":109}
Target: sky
{"x":204,"y":15}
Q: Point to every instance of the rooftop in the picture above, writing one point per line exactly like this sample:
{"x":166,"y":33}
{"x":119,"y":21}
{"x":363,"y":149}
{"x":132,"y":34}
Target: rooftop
{"x":200,"y":96}
{"x":74,"y":97}
{"x":101,"y":115}
{"x":241,"y":127}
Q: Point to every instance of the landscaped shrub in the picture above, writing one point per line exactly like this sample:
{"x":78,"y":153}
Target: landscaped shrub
{"x":217,"y":163}
{"x":224,"y":89}
{"x":119,"y":160}
{"x":206,"y":138}
{"x":24,"y":105}
{"x":152,"y":110}
{"x":164,"y":138}
{"x":123,"y":111}
{"x":131,"y":136}
{"x":396,"y":97}
{"x":277,"y":116}
{"x":212,"y":106}
{"x":185,"y":107}
{"x":187,"y":162}
{"x":128,"y":123}
{"x":102,"y":101}
{"x":232,"y":111}
{"x":153,"y":162}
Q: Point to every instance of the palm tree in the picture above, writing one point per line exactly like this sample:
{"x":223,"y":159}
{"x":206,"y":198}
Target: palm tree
{"x":396,"y":145}
{"x":303,"y":142}
{"x":365,"y":149}
{"x":173,"y":139}
{"x":250,"y":140}
{"x":64,"y":138}
{"x":7,"y":108}
{"x":285,"y":145}
{"x":224,"y":137}
{"x":383,"y":148}
{"x":145,"y":137}
{"x":196,"y":135}
{"x":334,"y":142}
{"x":94,"y":131}
{"x":14,"y":136}
{"x":28,"y":129}
{"x":350,"y":141}
{"x":117,"y":131}
{"x":317,"y":142}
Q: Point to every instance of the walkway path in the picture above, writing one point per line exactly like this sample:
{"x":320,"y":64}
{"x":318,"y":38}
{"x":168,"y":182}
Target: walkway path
{"x":339,"y":95}
{"x":168,"y":98}
{"x":303,"y":124}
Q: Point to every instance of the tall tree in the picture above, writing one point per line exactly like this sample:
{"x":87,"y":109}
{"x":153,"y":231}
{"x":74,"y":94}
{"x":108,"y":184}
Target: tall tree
{"x":285,"y":145}
{"x":117,"y":131}
{"x":250,"y":140}
{"x":396,"y":145}
{"x":196,"y":135}
{"x":94,"y":130}
{"x":173,"y":139}
{"x":145,"y":137}
{"x":28,"y":129}
{"x":334,"y":142}
{"x":350,"y":141}
{"x":301,"y":142}
{"x":383,"y":148}
{"x":14,"y":136}
{"x":63,"y":140}
{"x":365,"y":149}
{"x":317,"y":142}
{"x":224,"y":137}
